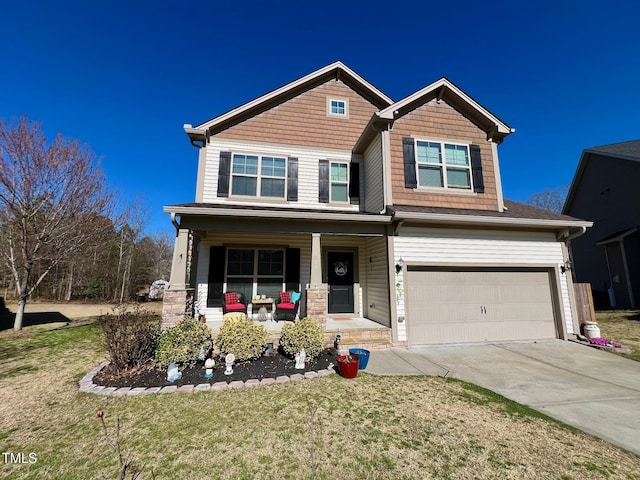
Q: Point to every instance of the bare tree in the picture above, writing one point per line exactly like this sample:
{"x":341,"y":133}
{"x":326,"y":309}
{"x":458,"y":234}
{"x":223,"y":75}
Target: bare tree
{"x":52,"y":197}
{"x":550,"y":199}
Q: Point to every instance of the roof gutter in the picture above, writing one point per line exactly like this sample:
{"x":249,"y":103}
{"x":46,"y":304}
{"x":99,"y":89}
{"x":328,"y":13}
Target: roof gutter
{"x":566,"y":236}
{"x":235,"y":212}
{"x":443,"y":218}
{"x":196,"y":135}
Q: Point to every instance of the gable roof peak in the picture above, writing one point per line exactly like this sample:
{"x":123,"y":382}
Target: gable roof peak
{"x":336,"y":69}
{"x":439,"y":89}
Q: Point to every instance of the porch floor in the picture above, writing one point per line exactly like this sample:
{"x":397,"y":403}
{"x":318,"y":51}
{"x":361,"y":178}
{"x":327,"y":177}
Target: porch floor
{"x":334,"y":323}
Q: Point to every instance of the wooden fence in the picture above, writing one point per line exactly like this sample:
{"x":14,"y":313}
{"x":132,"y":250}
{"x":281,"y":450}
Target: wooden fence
{"x":584,"y":302}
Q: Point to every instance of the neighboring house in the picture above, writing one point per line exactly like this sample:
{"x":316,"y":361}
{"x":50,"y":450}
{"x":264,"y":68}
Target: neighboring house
{"x":390,"y":211}
{"x":605,"y":190}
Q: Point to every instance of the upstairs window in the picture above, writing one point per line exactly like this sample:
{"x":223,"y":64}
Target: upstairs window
{"x":443,"y":165}
{"x":337,"y":107}
{"x":339,"y":182}
{"x":258,"y":176}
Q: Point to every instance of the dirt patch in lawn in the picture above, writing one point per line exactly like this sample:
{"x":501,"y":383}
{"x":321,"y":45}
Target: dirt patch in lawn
{"x":45,"y":313}
{"x":264,"y":367}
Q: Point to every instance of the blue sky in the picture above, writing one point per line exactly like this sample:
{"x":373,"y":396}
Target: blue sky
{"x":124,"y":76}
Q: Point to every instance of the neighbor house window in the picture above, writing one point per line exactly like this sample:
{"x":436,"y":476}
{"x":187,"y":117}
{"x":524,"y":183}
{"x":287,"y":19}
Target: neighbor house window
{"x":258,"y":176}
{"x":443,"y":165}
{"x":255,"y":272}
{"x":337,"y":107}
{"x":339,"y":182}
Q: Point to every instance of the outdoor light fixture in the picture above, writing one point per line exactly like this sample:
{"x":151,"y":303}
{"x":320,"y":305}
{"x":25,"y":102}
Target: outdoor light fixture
{"x":566,"y":266}
{"x":399,"y":265}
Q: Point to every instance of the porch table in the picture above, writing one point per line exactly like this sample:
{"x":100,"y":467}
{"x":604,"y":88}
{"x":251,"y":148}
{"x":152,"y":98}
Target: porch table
{"x":258,"y":304}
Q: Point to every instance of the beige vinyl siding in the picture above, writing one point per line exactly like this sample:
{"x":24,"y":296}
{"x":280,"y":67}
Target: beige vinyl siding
{"x":482,"y":248}
{"x":303,"y":120}
{"x":373,"y":180}
{"x":440,"y":121}
{"x":376,"y":291}
{"x":307,"y":172}
{"x":303,"y":242}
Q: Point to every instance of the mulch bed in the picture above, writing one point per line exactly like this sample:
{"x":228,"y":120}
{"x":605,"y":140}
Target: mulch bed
{"x":264,"y":367}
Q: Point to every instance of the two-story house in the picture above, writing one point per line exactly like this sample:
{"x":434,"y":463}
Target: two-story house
{"x":389,"y":212}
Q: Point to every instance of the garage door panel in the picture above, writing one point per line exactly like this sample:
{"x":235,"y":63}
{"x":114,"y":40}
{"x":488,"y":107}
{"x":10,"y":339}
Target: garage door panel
{"x":478,"y":305}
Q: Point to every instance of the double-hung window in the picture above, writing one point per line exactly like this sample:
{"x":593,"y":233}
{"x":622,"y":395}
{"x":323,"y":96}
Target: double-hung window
{"x":443,"y":165}
{"x":255,"y":271}
{"x":339,"y":182}
{"x":258,"y":176}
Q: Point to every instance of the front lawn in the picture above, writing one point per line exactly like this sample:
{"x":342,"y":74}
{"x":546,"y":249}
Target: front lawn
{"x":622,"y":326}
{"x":327,"y":428}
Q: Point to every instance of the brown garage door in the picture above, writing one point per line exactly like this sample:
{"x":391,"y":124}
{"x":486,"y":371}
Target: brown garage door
{"x":460,"y":306}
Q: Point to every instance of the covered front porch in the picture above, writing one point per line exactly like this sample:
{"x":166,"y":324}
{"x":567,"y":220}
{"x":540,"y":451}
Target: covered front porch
{"x":341,"y":270}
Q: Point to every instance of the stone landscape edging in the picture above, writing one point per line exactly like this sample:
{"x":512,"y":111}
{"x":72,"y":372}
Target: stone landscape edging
{"x":87,"y":385}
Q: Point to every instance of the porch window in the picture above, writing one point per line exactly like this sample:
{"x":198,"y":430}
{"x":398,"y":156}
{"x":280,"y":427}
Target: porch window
{"x":443,"y":165}
{"x":255,"y":271}
{"x":339,"y":182}
{"x":258,"y":176}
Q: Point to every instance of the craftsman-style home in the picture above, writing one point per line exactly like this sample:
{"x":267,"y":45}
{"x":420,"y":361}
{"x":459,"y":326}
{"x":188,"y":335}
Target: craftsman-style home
{"x":384,"y":216}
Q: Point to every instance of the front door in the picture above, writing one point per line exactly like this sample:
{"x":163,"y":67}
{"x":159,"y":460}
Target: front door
{"x":340,"y":278}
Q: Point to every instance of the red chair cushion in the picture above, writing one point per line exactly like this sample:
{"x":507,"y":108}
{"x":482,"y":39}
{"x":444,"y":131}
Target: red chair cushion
{"x":230,"y":298}
{"x":287,"y":306}
{"x":284,"y":297}
{"x":235,"y":306}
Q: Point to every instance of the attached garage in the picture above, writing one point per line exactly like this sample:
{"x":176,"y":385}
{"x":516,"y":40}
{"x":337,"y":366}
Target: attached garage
{"x":458,"y":305}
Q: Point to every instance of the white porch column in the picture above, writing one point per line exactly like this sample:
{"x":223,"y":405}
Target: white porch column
{"x":178,"y":279}
{"x":316,"y":260}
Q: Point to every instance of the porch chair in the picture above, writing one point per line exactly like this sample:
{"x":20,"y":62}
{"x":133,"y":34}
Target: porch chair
{"x":287,"y":305}
{"x":234,"y":302}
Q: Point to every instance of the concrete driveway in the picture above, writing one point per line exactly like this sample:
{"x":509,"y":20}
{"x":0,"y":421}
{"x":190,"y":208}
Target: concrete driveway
{"x":595,"y":391}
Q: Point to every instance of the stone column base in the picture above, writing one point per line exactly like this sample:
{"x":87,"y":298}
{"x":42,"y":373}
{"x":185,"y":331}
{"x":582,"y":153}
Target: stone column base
{"x":176,"y":304}
{"x":317,"y":302}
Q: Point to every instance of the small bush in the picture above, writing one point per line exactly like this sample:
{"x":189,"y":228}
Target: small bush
{"x":240,"y":336}
{"x":182,"y":343}
{"x":130,"y":337}
{"x":305,"y":334}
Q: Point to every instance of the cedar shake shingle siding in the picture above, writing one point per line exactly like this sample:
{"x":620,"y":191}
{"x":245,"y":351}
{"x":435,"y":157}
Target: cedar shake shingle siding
{"x":440,"y":121}
{"x":303,"y":120}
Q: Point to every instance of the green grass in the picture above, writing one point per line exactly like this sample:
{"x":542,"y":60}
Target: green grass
{"x":369,"y":427}
{"x":622,"y":326}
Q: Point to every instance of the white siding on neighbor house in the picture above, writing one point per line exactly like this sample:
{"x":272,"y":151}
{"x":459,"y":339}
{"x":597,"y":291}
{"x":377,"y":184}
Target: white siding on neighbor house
{"x":303,"y":242}
{"x":376,"y":283}
{"x":373,"y":182}
{"x":442,"y":247}
{"x":308,"y":158}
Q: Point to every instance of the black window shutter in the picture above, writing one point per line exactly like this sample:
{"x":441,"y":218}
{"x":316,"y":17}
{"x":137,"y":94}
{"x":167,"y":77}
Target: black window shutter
{"x":223,"y":174}
{"x":476,"y":168}
{"x":408,"y":153}
{"x":323,"y":181}
{"x":292,"y":179}
{"x":216,"y":276}
{"x":292,"y":271}
{"x":354,"y":183}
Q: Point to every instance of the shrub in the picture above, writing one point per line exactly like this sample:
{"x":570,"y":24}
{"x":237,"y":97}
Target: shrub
{"x":305,"y":334}
{"x":183,"y":342}
{"x":240,"y":336}
{"x":130,"y":337}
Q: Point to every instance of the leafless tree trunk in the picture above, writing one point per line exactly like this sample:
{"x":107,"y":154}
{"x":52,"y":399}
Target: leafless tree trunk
{"x":52,"y":196}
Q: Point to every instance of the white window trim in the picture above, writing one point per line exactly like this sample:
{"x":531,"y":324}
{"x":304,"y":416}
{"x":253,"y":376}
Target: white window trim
{"x":255,"y":276}
{"x":331,"y":182}
{"x":259,"y":176}
{"x":443,"y":165}
{"x":338,"y":115}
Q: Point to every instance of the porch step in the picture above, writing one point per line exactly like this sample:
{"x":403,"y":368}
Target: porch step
{"x":370,"y":339}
